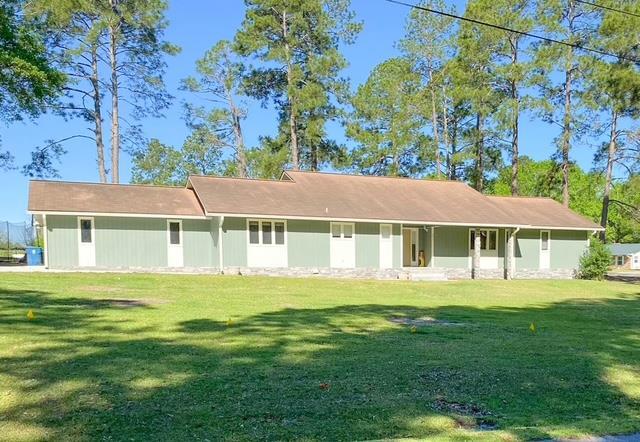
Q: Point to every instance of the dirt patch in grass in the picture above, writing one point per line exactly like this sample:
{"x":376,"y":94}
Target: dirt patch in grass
{"x":129,"y":303}
{"x":421,"y":322}
{"x":468,"y":416}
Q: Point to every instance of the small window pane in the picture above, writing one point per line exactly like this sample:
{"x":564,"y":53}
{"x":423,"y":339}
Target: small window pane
{"x":473,"y":240}
{"x":254,"y":232}
{"x":492,"y":240}
{"x":174,"y":233}
{"x":279,"y":227}
{"x":347,"y":230}
{"x":545,"y":240}
{"x":385,"y":232}
{"x":335,"y":230}
{"x":85,"y":230}
{"x":266,"y":233}
{"x":483,"y":240}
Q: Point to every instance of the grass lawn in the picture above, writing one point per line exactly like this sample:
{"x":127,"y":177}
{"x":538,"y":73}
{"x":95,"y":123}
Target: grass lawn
{"x":176,"y":357}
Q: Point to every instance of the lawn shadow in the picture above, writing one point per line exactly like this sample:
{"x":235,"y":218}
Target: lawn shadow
{"x":339,"y":373}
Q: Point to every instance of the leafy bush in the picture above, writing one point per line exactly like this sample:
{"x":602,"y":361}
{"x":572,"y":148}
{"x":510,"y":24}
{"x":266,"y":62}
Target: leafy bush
{"x":595,"y":263}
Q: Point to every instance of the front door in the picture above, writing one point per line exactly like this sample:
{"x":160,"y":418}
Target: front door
{"x":343,"y":245}
{"x":386,"y":246}
{"x":410,"y":247}
{"x":545,"y":249}
{"x":86,"y":243}
{"x":175,"y":255}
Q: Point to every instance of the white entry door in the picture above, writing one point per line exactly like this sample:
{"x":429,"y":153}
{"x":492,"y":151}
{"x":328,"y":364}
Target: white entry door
{"x":545,"y":249}
{"x":386,"y":246}
{"x":635,"y":261}
{"x":343,"y":245}
{"x":175,"y":253}
{"x":86,"y":243}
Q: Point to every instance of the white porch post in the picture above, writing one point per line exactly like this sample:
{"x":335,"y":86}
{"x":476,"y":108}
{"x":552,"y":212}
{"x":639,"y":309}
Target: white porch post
{"x":433,"y":258}
{"x":510,"y":252}
{"x":475,"y":264}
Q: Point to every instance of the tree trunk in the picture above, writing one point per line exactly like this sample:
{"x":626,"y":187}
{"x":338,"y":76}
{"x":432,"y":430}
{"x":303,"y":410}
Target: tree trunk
{"x":566,"y":136}
{"x":241,"y":155}
{"x":295,"y":154}
{"x":611,"y":155}
{"x":314,"y":158}
{"x":97,"y":114}
{"x":445,"y":133}
{"x":115,"y":113}
{"x":434,"y":123}
{"x":479,"y":154}
{"x":515,"y":162}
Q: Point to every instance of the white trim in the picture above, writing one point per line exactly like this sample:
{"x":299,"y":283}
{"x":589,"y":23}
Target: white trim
{"x":123,"y":215}
{"x":169,"y":231}
{"x":397,"y":221}
{"x":273,"y":232}
{"x":93,"y":239}
{"x":267,"y":255}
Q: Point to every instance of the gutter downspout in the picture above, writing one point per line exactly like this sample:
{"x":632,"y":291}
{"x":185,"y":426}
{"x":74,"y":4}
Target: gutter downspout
{"x":220,"y":252}
{"x":511,"y":271}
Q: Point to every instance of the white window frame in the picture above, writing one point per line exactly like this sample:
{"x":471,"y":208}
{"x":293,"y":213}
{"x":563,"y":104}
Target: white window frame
{"x":486,"y":249}
{"x":342,"y":224}
{"x":548,"y":232}
{"x":620,"y":260}
{"x":179,"y":221}
{"x":93,"y":229}
{"x":273,"y":232}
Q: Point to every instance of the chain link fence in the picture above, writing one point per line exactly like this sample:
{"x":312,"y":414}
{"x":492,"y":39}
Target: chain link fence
{"x":14,"y":237}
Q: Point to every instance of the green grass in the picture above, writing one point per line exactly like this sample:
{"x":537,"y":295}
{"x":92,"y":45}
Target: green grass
{"x":169,"y":367}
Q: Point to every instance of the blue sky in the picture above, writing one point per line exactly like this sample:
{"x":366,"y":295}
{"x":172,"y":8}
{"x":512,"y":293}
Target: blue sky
{"x":196,"y":25}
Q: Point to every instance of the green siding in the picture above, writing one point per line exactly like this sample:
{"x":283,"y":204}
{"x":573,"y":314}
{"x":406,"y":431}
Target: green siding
{"x":367,"y":245}
{"x":567,"y":247}
{"x":234,"y":242}
{"x":397,"y":246}
{"x":215,"y":256}
{"x":131,"y":242}
{"x":308,"y":243}
{"x":198,"y":243}
{"x":62,"y":241}
{"x":451,"y":247}
{"x":527,"y":249}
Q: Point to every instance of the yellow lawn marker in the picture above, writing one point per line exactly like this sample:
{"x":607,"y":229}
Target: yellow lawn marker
{"x":532,"y":327}
{"x":30,"y":315}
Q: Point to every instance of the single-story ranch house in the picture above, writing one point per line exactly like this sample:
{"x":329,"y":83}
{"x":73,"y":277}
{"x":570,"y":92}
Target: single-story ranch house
{"x":625,"y":256}
{"x":309,"y":223}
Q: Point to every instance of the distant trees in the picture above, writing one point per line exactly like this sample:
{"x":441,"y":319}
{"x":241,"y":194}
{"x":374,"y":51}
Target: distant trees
{"x":29,"y":80}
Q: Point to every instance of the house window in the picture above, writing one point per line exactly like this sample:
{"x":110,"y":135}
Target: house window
{"x":266,"y":232}
{"x":488,"y":239}
{"x":174,"y":233}
{"x":620,"y":260}
{"x":544,"y":240}
{"x":85,"y":230}
{"x":342,"y":230}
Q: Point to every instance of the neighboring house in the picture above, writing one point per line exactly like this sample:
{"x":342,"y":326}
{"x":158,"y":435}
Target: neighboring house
{"x":626,"y":256}
{"x":308,"y":223}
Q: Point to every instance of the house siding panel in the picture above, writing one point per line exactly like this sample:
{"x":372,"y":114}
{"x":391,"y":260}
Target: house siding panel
{"x":368,"y":245}
{"x":308,"y":243}
{"x":397,"y":246}
{"x":62,"y":241}
{"x":131,"y":242}
{"x":199,"y":250}
{"x":567,"y":247}
{"x":527,"y":250}
{"x":234,"y":242}
{"x":451,"y":247}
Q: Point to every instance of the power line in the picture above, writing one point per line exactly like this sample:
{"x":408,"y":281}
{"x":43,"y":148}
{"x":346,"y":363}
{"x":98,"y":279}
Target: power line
{"x":515,"y":31}
{"x":608,"y":8}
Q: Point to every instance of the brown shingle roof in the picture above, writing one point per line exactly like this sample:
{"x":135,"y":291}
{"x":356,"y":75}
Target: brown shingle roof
{"x":309,"y":195}
{"x":55,"y":196}
{"x":541,"y":212}
{"x":338,"y":196}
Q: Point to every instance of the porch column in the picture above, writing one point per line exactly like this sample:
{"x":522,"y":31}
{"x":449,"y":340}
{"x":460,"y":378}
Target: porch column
{"x":475,"y":263}
{"x":509,"y":259}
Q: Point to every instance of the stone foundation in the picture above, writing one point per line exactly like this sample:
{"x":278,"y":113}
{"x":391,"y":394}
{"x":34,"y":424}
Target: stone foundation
{"x":545,"y":274}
